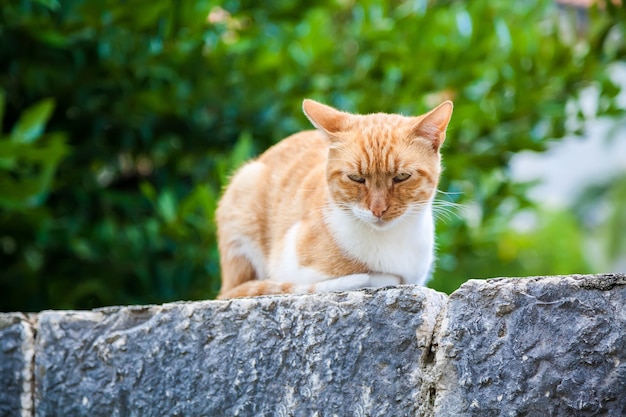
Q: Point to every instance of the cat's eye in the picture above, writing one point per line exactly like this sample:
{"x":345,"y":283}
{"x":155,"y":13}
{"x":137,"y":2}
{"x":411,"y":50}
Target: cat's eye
{"x":401,"y":177}
{"x":357,"y":178}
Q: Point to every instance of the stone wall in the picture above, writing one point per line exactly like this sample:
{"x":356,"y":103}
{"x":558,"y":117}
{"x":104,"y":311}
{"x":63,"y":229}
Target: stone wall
{"x":549,"y":346}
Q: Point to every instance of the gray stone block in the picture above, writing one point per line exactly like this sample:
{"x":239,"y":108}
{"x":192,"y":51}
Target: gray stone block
{"x":552,"y":346}
{"x":363,"y":353}
{"x":16,"y":364}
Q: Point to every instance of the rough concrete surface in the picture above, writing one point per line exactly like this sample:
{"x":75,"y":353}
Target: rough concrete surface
{"x":16,"y":364}
{"x":544,"y":346}
{"x":552,"y":346}
{"x":363,"y":353}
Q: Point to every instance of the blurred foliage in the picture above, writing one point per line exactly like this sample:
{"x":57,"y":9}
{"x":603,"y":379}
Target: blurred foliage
{"x":549,"y":243}
{"x":28,"y":159}
{"x":601,"y":209}
{"x":143,"y":109}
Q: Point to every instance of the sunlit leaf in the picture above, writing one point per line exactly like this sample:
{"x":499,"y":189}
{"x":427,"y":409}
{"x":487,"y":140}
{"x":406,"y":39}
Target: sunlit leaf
{"x":148,"y":191}
{"x":166,"y":204}
{"x":33,"y":121}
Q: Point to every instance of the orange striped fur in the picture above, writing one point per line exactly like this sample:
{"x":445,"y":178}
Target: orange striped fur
{"x":346,"y":206}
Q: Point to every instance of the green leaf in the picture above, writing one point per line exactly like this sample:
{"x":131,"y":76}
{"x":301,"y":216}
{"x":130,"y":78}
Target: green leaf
{"x":33,"y":121}
{"x":148,"y":191}
{"x":50,"y":4}
{"x":244,"y":149}
{"x":167,"y":206}
{"x":30,"y":169}
{"x":50,"y":149}
{"x":53,"y":38}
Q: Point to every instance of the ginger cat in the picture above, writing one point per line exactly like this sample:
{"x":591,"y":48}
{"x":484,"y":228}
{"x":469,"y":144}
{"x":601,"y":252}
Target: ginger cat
{"x":346,"y":206}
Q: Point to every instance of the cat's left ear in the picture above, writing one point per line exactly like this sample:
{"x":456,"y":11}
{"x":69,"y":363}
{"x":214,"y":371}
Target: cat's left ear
{"x":325,"y":118}
{"x":433,"y":125}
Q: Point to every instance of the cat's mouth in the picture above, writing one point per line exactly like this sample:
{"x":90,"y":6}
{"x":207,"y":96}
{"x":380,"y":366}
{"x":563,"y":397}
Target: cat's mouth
{"x":367,"y":217}
{"x":378,"y":223}
{"x":382,"y":224}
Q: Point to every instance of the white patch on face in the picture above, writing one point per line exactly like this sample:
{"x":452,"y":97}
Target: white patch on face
{"x":403,"y":246}
{"x":368,"y":217}
{"x":363,"y":214}
{"x":285,"y":267}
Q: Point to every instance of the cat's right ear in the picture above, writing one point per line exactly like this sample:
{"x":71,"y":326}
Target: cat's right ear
{"x":323,"y":117}
{"x":433,"y":125}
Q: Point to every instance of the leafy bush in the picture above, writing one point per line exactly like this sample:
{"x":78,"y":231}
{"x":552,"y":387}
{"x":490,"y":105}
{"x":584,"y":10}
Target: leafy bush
{"x":160,"y":100}
{"x":601,"y":209}
{"x":28,"y":159}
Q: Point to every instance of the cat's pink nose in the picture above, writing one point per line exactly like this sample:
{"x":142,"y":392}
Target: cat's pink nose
{"x":378,"y":205}
{"x":379,"y":211}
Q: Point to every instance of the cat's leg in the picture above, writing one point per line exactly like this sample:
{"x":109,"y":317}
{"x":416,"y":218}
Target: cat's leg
{"x":265,"y":287}
{"x":344,"y":283}
{"x":236,"y":270}
{"x":356,"y":281}
{"x":240,"y":219}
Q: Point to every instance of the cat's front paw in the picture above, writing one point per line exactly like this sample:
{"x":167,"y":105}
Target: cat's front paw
{"x":357,"y":281}
{"x":384,"y":280}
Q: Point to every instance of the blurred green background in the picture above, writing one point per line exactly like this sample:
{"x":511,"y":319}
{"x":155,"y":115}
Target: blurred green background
{"x":121,"y":121}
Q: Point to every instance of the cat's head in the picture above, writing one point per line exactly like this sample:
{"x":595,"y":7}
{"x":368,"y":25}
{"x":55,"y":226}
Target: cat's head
{"x":381,"y":167}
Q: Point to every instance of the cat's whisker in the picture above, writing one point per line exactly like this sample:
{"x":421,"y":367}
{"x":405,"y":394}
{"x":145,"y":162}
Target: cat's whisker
{"x":448,"y":193}
{"x":446,"y":202}
{"x":443,"y":215}
{"x":456,"y":209}
{"x":447,"y":210}
{"x":442,"y":209}
{"x":418,"y":207}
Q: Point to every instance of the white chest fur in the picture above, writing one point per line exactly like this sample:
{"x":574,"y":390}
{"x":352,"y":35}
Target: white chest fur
{"x":405,"y":248}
